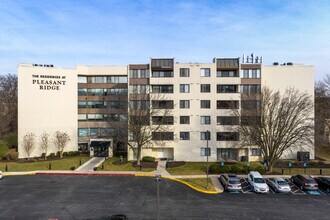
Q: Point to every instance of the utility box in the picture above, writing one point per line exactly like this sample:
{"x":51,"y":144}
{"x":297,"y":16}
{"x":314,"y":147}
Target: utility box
{"x":303,"y":156}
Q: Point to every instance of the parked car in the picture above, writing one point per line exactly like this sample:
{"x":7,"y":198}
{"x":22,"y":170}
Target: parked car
{"x":0,"y":174}
{"x":257,"y":183}
{"x":324,"y":183}
{"x":230,"y":182}
{"x":279,"y":185}
{"x":305,"y":182}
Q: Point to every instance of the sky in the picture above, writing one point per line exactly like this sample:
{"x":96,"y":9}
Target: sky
{"x":67,"y":33}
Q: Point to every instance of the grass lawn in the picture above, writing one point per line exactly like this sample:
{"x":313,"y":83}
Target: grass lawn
{"x":190,"y":168}
{"x":309,"y":171}
{"x":199,"y":168}
{"x":323,"y":153}
{"x":59,"y":164}
{"x":199,"y":183}
{"x":108,"y":166}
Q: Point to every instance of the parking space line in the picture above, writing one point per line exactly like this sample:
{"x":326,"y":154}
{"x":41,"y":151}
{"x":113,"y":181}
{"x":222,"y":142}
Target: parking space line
{"x":295,"y":190}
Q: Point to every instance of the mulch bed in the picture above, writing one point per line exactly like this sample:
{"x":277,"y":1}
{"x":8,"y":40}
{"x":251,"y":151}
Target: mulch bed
{"x":284,"y":164}
{"x":175,"y":164}
{"x":145,"y":164}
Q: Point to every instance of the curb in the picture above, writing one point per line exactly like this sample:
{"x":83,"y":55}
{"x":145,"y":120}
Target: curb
{"x":19,"y":174}
{"x":84,"y":174}
{"x":180,"y":181}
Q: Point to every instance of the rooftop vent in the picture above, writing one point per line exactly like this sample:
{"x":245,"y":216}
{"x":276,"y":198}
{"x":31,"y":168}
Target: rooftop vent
{"x":275,"y":63}
{"x":289,"y":64}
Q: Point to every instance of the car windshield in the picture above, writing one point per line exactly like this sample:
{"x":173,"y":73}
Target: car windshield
{"x":234,"y":181}
{"x":281,"y":183}
{"x":310,"y":181}
{"x":259,"y":180}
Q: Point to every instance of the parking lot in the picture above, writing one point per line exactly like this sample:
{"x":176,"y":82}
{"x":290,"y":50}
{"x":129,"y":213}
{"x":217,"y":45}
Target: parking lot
{"x":295,"y":190}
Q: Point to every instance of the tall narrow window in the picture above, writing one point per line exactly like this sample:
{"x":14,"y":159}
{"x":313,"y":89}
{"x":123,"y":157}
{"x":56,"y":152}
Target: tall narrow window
{"x":184,"y":88}
{"x":205,"y":72}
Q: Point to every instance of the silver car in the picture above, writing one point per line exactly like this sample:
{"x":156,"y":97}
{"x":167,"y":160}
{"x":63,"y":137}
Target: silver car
{"x":279,"y":185}
{"x":230,"y":182}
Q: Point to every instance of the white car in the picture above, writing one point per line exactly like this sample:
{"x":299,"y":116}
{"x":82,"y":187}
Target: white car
{"x":257,"y":183}
{"x":0,"y":174}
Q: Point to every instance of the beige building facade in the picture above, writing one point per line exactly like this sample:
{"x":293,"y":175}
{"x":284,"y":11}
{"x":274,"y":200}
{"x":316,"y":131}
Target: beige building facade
{"x":201,"y":97}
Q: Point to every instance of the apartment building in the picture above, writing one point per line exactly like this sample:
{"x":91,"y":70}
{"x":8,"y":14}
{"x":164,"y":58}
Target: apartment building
{"x":199,"y":98}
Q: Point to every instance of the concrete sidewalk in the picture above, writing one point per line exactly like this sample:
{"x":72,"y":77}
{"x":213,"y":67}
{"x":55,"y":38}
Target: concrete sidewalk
{"x":89,"y":165}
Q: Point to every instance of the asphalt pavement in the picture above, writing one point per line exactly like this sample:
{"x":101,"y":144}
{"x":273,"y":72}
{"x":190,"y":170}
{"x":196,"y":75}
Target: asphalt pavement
{"x":99,"y":197}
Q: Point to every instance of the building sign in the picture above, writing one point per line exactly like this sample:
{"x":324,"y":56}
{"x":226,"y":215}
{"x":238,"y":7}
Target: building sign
{"x":49,"y":82}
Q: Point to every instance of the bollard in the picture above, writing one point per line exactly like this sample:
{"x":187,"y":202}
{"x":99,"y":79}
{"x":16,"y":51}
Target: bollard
{"x":6,"y":167}
{"x":80,"y":162}
{"x":140,"y":167}
{"x":102,"y":166}
{"x":320,"y":171}
{"x":282,"y":171}
{"x":50,"y":166}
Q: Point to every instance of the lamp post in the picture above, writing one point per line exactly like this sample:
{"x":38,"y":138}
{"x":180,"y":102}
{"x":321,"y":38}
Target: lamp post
{"x":157,"y":179}
{"x":207,"y":158}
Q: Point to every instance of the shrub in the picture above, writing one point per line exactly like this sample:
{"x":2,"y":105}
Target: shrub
{"x":148,"y":159}
{"x":70,"y":153}
{"x":43,"y":155}
{"x":235,"y":169}
{"x":58,"y":154}
{"x":321,"y":162}
{"x":217,"y":169}
{"x":75,"y":153}
{"x":6,"y":156}
{"x":262,"y":170}
{"x":52,"y":155}
{"x":65,"y":154}
{"x":14,"y":155}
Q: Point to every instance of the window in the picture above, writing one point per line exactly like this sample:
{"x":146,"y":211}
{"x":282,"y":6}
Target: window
{"x":162,"y":88}
{"x":227,"y":88}
{"x":205,"y":135}
{"x":227,"y":120}
{"x":162,"y":73}
{"x":107,"y":132}
{"x":162,"y":120}
{"x":227,"y":104}
{"x":205,"y":72}
{"x":250,"y":89}
{"x":184,"y":104}
{"x":82,"y":104}
{"x":83,"y":132}
{"x":184,"y":72}
{"x":184,"y":88}
{"x":82,"y":79}
{"x":95,"y":104}
{"x":96,"y":92}
{"x":116,"y":92}
{"x":250,"y":120}
{"x":184,"y":120}
{"x":116,"y":104}
{"x":251,"y":73}
{"x":250,"y":104}
{"x":117,"y":79}
{"x":116,"y":117}
{"x":205,"y":151}
{"x":82,"y":117}
{"x":94,"y":131}
{"x":227,"y":136}
{"x":230,"y":73}
{"x":184,"y":136}
{"x":95,"y":117}
{"x":168,"y":104}
{"x":82,"y":92}
{"x":166,"y":136}
{"x":97,"y":79}
{"x":139,"y":89}
{"x":255,"y":152}
{"x":140,"y":104}
{"x":205,"y":88}
{"x":205,"y":104}
{"x":134,"y":73}
{"x":205,"y":120}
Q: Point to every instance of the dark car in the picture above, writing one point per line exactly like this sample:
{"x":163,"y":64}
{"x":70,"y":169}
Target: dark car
{"x":230,"y":182}
{"x":305,"y":182}
{"x":324,"y":183}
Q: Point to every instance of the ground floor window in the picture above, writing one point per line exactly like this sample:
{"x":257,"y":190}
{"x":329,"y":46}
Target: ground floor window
{"x":255,"y":152}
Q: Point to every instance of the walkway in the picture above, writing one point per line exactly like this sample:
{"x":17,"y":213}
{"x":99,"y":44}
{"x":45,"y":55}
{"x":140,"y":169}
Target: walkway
{"x":161,"y":169}
{"x":89,"y":165}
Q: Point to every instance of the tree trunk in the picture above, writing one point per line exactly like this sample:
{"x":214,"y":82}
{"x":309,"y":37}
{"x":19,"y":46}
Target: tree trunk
{"x":138,"y":155}
{"x":45,"y":156}
{"x":61,"y":154}
{"x":270,"y":166}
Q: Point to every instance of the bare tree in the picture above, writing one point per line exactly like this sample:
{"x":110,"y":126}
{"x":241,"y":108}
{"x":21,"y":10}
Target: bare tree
{"x":44,"y":143}
{"x":8,"y":103}
{"x":143,"y":133}
{"x":61,"y":139}
{"x":280,"y":122}
{"x":28,"y":144}
{"x":322,"y":113}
